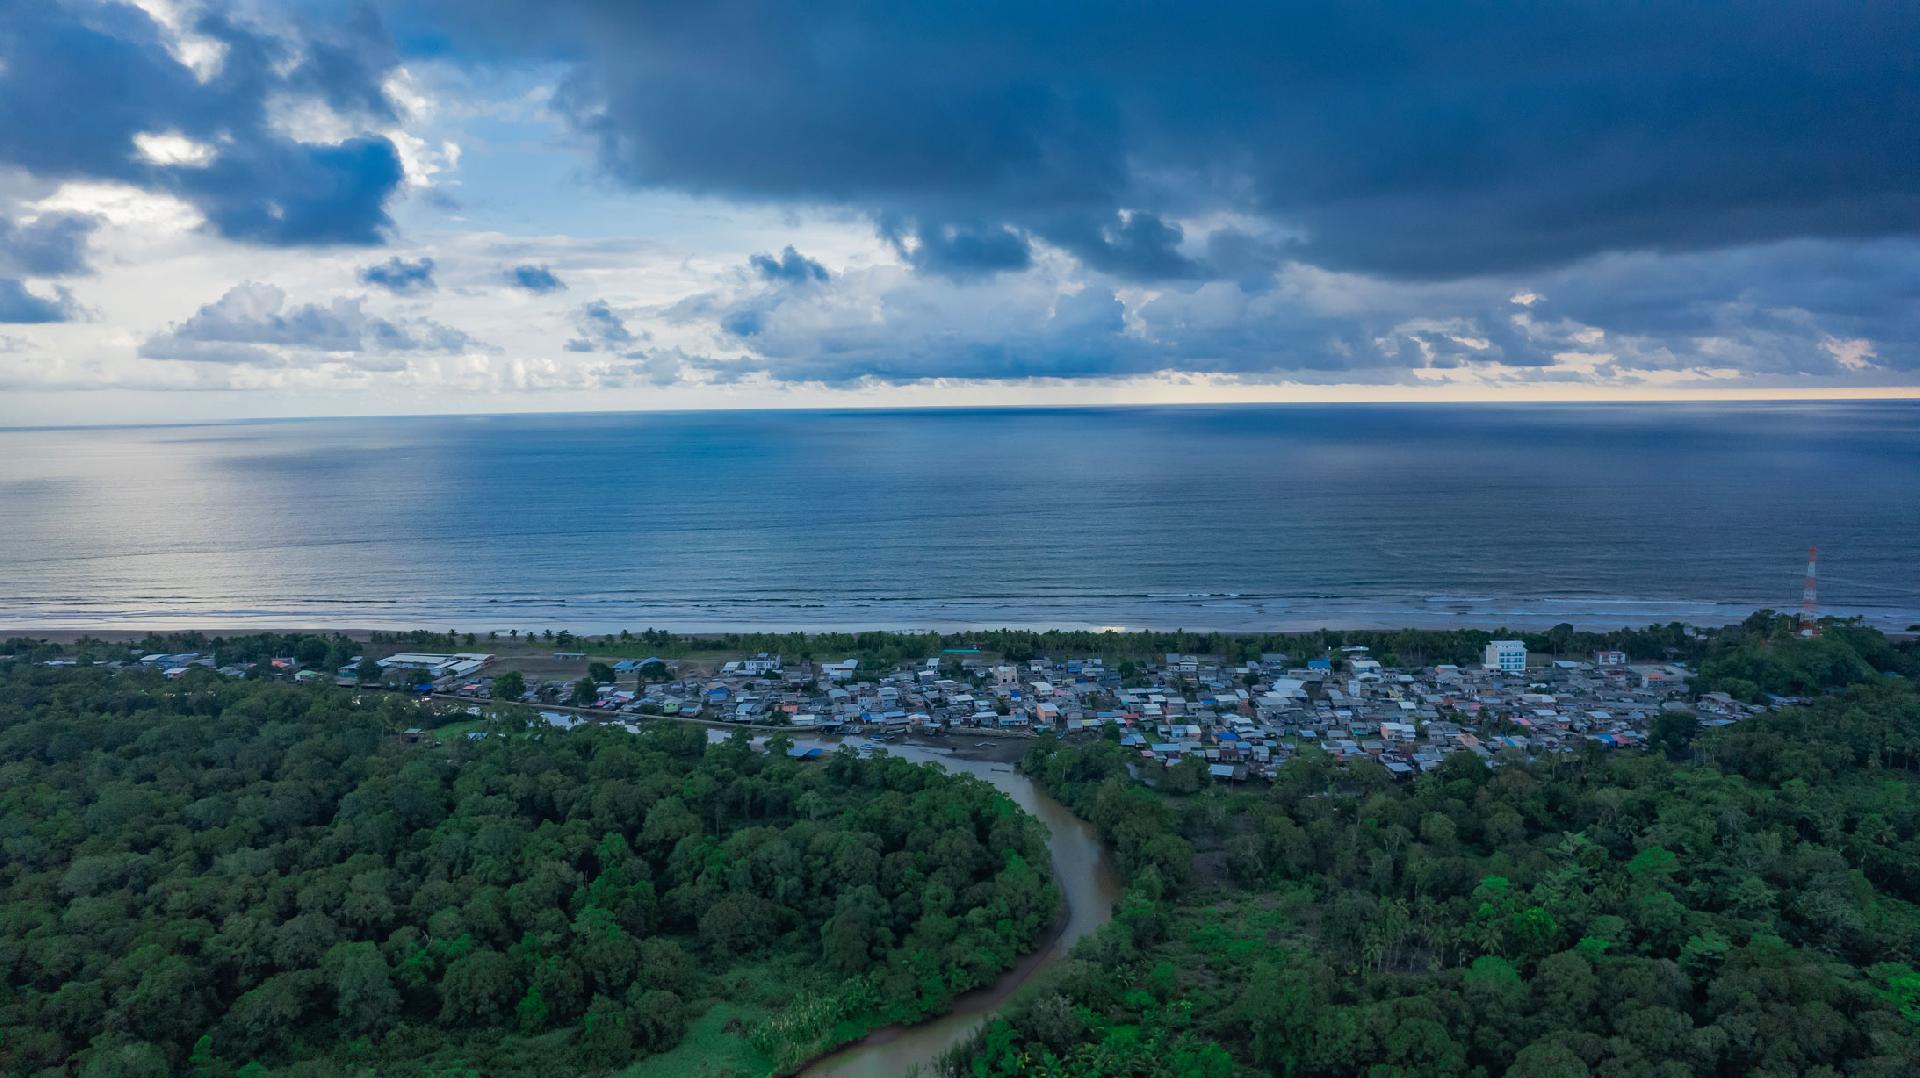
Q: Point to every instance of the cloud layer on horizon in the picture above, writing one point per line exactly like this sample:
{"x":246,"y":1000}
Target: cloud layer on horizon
{"x":780,"y":198}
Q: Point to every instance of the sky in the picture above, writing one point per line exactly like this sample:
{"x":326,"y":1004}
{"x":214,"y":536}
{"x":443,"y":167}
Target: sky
{"x":286,"y":207}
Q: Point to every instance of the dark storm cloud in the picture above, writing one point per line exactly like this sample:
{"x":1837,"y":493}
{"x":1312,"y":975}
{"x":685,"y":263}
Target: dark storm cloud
{"x":21,"y":307}
{"x":1399,"y":137}
{"x":791,"y":266}
{"x":400,"y":276}
{"x":253,"y":325}
{"x":79,"y":80}
{"x":285,"y":193}
{"x":1137,"y":245}
{"x":51,"y":246}
{"x":535,"y":279}
{"x":346,"y":65}
{"x":959,"y":252}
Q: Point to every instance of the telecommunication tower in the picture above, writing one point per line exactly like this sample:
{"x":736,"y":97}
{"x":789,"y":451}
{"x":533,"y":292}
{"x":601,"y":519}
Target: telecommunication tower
{"x":1810,"y":596}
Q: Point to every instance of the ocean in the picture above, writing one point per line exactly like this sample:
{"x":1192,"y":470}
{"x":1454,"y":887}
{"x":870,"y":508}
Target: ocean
{"x":1207,"y":518}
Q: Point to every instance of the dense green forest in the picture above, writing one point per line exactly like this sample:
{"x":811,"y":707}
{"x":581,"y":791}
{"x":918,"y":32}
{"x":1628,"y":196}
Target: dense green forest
{"x":229,"y":877}
{"x":244,"y":877}
{"x":1747,"y":909}
{"x":1764,"y":656}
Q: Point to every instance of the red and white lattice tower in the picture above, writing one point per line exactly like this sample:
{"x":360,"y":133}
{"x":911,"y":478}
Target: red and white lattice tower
{"x":1810,"y":596}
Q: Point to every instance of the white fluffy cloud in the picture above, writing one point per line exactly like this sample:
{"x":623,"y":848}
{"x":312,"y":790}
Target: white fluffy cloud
{"x":253,"y":325}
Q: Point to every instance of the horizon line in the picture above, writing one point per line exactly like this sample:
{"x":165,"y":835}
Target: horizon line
{"x":1762,"y":396}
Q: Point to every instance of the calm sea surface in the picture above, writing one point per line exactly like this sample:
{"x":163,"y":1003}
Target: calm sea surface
{"x":1202,"y":518}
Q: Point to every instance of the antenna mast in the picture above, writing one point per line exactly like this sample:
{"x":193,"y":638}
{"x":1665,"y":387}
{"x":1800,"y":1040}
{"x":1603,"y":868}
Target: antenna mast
{"x":1810,"y":596}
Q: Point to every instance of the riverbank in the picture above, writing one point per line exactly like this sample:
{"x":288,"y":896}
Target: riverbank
{"x":1083,"y":871}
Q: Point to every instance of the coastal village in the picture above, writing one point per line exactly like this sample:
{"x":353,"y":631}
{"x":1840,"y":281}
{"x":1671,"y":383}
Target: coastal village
{"x":1242,"y":719}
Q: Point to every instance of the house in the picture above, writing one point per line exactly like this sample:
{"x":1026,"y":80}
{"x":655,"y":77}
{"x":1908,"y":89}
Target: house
{"x":1609,"y":658}
{"x":840,"y":671}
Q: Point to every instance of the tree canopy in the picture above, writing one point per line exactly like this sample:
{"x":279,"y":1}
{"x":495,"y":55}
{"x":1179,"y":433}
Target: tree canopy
{"x":1748,"y":907}
{"x":208,"y":876}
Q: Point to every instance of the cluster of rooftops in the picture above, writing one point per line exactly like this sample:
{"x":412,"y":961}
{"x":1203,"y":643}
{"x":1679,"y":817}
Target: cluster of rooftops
{"x":1241,"y":718}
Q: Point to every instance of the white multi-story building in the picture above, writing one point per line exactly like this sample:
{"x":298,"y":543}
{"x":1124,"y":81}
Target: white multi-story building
{"x":1507,"y":656}
{"x":760,"y":665}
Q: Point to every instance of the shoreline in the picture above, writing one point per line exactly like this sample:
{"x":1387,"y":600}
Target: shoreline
{"x":1894,"y":627}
